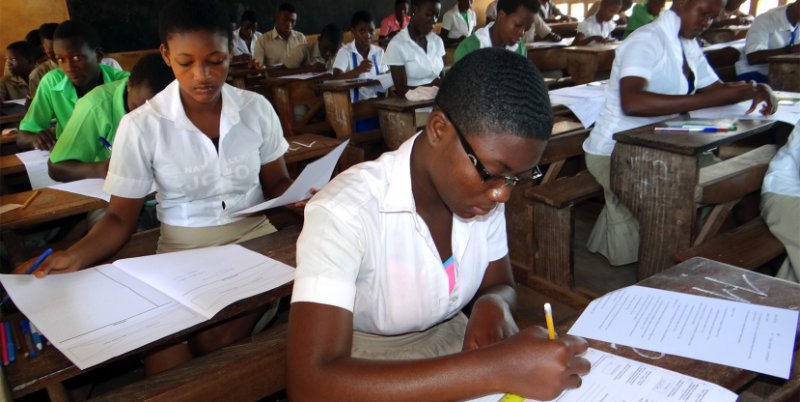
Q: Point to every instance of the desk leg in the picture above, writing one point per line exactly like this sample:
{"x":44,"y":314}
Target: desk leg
{"x":396,"y":127}
{"x":581,"y":67}
{"x":339,"y":113}
{"x":785,"y":76}
{"x":658,"y":187}
{"x":57,"y":393}
{"x":283,"y":105}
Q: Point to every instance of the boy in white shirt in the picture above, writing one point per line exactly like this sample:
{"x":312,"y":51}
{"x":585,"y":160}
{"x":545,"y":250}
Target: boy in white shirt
{"x":598,"y":27}
{"x":360,"y":58}
{"x":772,"y":33}
{"x":458,"y":22}
{"x":246,"y":36}
{"x":273,"y":46}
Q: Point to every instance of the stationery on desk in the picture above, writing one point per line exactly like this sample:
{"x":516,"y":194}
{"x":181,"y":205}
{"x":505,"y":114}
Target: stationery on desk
{"x":36,"y":165}
{"x":96,"y":314}
{"x":703,"y":126}
{"x":586,"y":101}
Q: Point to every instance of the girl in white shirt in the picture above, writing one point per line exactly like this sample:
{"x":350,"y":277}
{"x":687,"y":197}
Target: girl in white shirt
{"x":360,"y":58}
{"x":458,"y":22}
{"x":415,"y":56}
{"x":597,"y":28}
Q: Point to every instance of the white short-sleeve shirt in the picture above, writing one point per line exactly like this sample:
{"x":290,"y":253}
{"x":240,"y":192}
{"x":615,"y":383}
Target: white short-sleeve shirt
{"x":196,"y":186}
{"x":364,"y":248}
{"x":591,"y":27}
{"x":241,"y":47}
{"x":538,"y":29}
{"x":456,"y":25}
{"x":348,"y":58}
{"x":485,"y":39}
{"x":422,"y":67}
{"x":783,"y":175}
{"x":653,"y":52}
{"x":770,"y":30}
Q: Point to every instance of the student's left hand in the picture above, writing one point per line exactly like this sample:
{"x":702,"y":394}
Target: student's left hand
{"x":300,"y":206}
{"x":764,"y":94}
{"x":491,"y":321}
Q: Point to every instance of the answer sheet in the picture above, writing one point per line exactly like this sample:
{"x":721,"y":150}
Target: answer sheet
{"x":315,"y":175}
{"x":747,"y":336}
{"x":36,"y":165}
{"x":618,"y":379}
{"x":87,"y":187}
{"x":788,"y":110}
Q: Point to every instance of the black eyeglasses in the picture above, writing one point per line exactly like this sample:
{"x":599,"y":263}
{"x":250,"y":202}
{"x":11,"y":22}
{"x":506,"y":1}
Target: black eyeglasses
{"x":486,"y":176}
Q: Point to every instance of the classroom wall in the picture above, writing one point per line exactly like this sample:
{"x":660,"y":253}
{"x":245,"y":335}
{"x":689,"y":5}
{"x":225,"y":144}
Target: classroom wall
{"x":18,"y":17}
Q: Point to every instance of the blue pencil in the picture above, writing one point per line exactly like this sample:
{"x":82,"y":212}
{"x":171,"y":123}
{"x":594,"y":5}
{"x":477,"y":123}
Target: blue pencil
{"x":105,"y":142}
{"x":39,"y":261}
{"x":37,"y":336}
{"x":10,"y":339}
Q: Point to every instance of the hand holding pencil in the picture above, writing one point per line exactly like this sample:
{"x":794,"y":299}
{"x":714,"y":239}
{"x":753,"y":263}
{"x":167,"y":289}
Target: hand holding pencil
{"x":49,"y":262}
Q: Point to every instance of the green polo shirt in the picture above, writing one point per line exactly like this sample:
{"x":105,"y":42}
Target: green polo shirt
{"x":639,"y":18}
{"x":97,"y":114}
{"x":56,"y":97}
{"x":472,"y":43}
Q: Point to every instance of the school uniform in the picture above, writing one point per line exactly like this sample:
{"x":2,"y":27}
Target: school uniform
{"x":459,"y":24}
{"x":482,"y":39}
{"x":539,"y":29}
{"x":592,"y":27}
{"x":390,"y":24}
{"x":549,"y":10}
{"x":199,"y":188}
{"x":422,"y":67}
{"x":13,"y":87}
{"x":38,"y":73}
{"x":639,"y":18}
{"x":306,"y":55}
{"x":771,"y":30}
{"x":271,"y":49}
{"x":240,"y":46}
{"x":56,"y":98}
{"x":780,"y":203}
{"x":348,"y":58}
{"x":364,"y":248}
{"x":96,"y":114}
{"x":654,"y":52}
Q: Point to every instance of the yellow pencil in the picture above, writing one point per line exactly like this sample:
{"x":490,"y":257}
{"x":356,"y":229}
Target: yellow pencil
{"x":32,"y":196}
{"x":548,"y":316}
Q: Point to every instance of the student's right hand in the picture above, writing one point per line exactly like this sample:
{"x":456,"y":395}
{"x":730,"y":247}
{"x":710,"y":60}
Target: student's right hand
{"x":364,"y":67}
{"x":44,"y":140}
{"x":539,"y":368}
{"x":764,"y":94}
{"x":59,"y":262}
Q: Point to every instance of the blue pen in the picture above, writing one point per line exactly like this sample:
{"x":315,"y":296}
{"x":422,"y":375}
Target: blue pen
{"x":10,"y":339}
{"x":37,"y":337}
{"x":26,"y":331}
{"x":39,"y":261}
{"x":104,"y":142}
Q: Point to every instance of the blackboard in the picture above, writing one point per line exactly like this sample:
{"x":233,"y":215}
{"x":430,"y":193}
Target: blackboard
{"x":133,"y":24}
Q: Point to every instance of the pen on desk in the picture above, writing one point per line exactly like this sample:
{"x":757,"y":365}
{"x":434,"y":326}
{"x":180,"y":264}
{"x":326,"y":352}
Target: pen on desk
{"x":39,"y":261}
{"x":105,"y":142}
{"x":548,"y":317}
{"x":37,"y":336}
{"x":695,"y":129}
{"x":25,"y":348}
{"x":5,"y":343}
{"x":10,"y":338}
{"x":30,"y":199}
{"x":26,"y":331}
{"x":15,"y":336}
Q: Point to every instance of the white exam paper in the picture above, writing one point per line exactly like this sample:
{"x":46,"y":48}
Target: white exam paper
{"x":36,"y":165}
{"x":747,"y":336}
{"x":788,"y":112}
{"x":87,"y":187}
{"x":618,"y":379}
{"x":315,"y":175}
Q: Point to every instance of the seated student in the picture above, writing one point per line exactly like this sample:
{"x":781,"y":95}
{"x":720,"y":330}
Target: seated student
{"x":540,"y":31}
{"x":731,"y":16}
{"x":550,"y":13}
{"x":246,"y":36}
{"x":320,"y":54}
{"x":780,"y":203}
{"x":458,"y":22}
{"x":360,"y":58}
{"x":79,"y":152}
{"x":395,"y":22}
{"x":513,"y":17}
{"x":620,"y":18}
{"x":659,"y":70}
{"x":273,"y":46}
{"x":598,"y":28}
{"x":21,"y":59}
{"x":76,"y":48}
{"x":643,"y":14}
{"x":491,"y":12}
{"x":415,"y":56}
{"x":210,"y":149}
{"x":392,"y":250}
{"x":46,"y":33}
{"x":773,"y":33}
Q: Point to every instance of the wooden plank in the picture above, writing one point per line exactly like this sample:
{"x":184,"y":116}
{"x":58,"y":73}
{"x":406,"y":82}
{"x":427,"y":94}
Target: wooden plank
{"x":548,"y":58}
{"x":10,"y":164}
{"x":553,"y":244}
{"x":566,"y":191}
{"x":748,"y":246}
{"x":584,"y":62}
{"x":48,"y":206}
{"x":784,"y":71}
{"x":734,"y":178}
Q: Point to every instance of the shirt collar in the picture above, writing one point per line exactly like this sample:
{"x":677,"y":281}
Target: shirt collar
{"x":61,"y":85}
{"x":119,"y":96}
{"x":484,"y":37}
{"x":168,"y":105}
{"x":399,"y":196}
{"x":670,"y":23}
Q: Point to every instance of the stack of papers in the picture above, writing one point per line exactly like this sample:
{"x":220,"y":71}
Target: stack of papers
{"x":36,"y":165}
{"x":586,"y":102}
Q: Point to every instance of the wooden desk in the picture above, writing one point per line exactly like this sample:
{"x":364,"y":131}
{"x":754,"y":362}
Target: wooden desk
{"x":342,"y":114}
{"x":723,"y":62}
{"x":683,"y":278}
{"x":548,"y":58}
{"x":51,"y":367}
{"x":10,"y":164}
{"x":655,"y":175}
{"x":725,"y":34}
{"x":784,"y":72}
{"x":288,"y":93}
{"x":398,"y":119}
{"x":48,"y":206}
{"x":584,"y":62}
{"x":565,"y":29}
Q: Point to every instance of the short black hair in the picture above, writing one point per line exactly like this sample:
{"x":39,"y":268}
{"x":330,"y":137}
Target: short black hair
{"x":179,"y":16}
{"x":332,"y":33}
{"x":288,"y":7}
{"x":72,"y":29}
{"x":24,"y":49}
{"x":361,"y":16}
{"x":511,"y":6}
{"x":47,"y":30}
{"x":417,"y":3}
{"x":250,"y":15}
{"x":152,"y":71}
{"x":494,"y":90}
{"x":33,"y":38}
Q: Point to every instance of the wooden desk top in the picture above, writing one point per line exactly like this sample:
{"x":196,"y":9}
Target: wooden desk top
{"x":594,"y":49}
{"x":785,"y":58}
{"x":48,"y":206}
{"x":346,"y":85}
{"x":306,"y":146}
{"x":32,"y":374}
{"x":10,"y":164}
{"x":690,"y":143}
{"x":401,"y":104}
{"x":683,"y":278}
{"x":283,"y":81}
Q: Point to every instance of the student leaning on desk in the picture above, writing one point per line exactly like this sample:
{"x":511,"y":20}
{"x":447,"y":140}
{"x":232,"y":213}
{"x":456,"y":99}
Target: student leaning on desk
{"x":658,"y":71}
{"x":210,"y":149}
{"x":392,"y":250}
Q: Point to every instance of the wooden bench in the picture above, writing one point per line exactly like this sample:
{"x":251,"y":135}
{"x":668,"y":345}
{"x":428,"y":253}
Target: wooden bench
{"x":342,"y":114}
{"x":748,"y":246}
{"x":288,"y":94}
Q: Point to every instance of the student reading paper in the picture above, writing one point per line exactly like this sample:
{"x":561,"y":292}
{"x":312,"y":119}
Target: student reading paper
{"x":393,"y":249}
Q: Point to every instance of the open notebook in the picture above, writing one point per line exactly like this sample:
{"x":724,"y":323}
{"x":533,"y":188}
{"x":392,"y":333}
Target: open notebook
{"x":98,"y":313}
